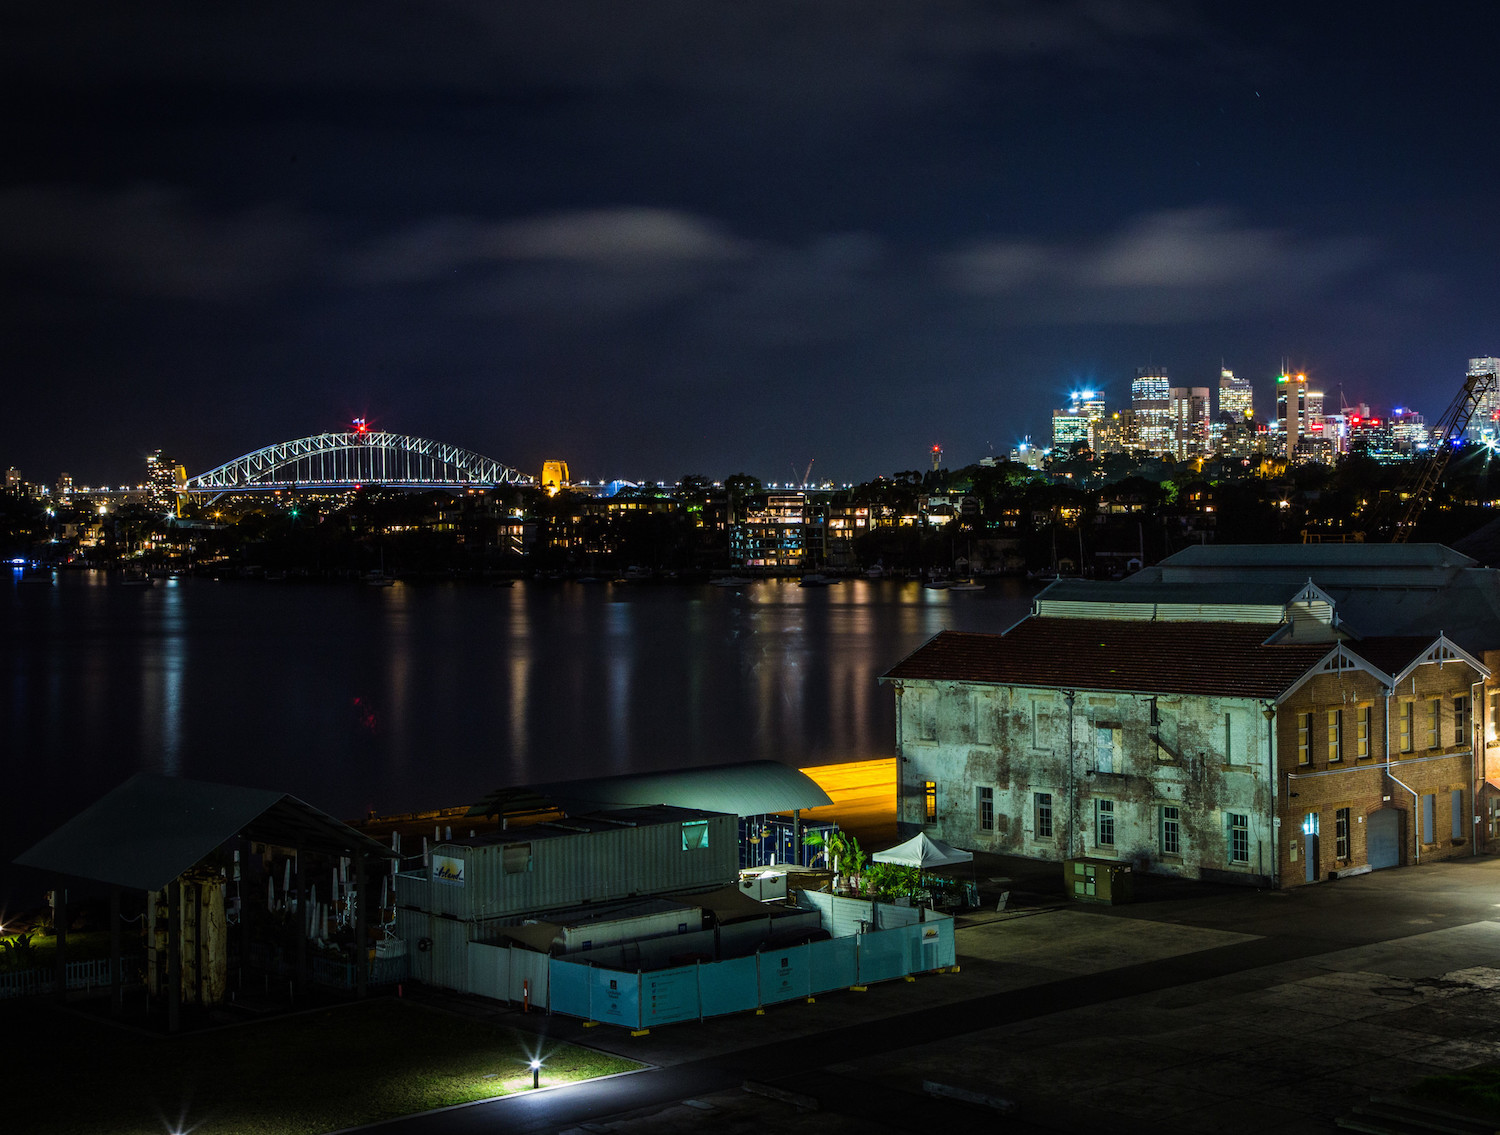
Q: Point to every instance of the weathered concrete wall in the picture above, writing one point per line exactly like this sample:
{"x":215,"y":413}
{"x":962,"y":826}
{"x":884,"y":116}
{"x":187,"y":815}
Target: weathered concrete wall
{"x":1093,"y":757}
{"x":1323,"y":777}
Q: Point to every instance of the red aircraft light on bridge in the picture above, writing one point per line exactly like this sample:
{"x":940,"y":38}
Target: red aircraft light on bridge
{"x":361,"y":426}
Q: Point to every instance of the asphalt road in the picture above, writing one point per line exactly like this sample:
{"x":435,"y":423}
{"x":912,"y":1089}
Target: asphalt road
{"x":1290,"y":931}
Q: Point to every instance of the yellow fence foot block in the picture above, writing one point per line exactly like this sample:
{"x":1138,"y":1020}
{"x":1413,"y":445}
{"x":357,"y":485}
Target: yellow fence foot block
{"x":760,"y":1012}
{"x":910,"y":980}
{"x":812,"y":1000}
{"x":640,"y":1032}
{"x":858,"y":988}
{"x":591,"y":1024}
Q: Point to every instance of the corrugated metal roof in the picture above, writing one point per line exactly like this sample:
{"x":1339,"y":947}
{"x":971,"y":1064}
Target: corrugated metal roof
{"x":152,"y":828}
{"x":750,"y":788}
{"x":1305,"y":557}
{"x":1253,"y":594}
{"x":1224,"y":659}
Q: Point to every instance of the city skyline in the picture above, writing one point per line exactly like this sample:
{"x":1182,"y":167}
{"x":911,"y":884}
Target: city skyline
{"x":698,"y":239}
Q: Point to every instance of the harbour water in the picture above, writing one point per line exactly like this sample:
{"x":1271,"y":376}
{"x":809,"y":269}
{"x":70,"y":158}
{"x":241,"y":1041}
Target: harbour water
{"x":394,"y":699}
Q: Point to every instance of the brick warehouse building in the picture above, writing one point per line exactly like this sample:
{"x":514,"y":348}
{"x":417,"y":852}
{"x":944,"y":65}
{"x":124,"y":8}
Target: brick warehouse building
{"x":1253,"y":739}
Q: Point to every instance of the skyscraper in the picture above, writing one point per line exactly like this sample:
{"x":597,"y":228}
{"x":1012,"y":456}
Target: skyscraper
{"x":1291,"y":412}
{"x":1484,"y":425}
{"x":1150,"y":400}
{"x":1189,"y":411}
{"x":1236,"y":396}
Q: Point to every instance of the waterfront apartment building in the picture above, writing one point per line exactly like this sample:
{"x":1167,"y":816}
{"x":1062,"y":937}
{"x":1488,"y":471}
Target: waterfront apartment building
{"x":771,"y":534}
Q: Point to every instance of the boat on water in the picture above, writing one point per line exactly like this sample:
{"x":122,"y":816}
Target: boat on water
{"x":816,"y":579}
{"x":731,"y":581}
{"x":135,"y":577}
{"x":379,"y":579}
{"x":965,"y":585}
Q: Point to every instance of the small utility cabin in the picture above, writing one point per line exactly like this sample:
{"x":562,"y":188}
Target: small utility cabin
{"x":475,"y":889}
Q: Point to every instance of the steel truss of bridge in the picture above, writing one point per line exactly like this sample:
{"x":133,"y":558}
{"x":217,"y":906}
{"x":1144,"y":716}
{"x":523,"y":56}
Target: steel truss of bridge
{"x":348,"y":460}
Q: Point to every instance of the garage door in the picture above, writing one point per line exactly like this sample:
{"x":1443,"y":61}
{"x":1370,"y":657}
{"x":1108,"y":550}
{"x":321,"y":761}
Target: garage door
{"x":1383,"y":837}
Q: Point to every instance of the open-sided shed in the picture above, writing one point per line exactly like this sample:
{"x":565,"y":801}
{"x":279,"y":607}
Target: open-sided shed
{"x":151,"y":830}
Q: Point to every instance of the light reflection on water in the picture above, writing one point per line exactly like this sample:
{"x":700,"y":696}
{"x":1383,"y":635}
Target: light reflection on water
{"x":410,"y":697}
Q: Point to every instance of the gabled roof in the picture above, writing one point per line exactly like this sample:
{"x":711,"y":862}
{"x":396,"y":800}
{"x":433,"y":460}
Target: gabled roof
{"x":152,"y":828}
{"x":750,"y":788}
{"x":1212,"y":658}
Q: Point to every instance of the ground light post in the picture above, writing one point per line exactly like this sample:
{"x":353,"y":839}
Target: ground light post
{"x":536,"y":1072}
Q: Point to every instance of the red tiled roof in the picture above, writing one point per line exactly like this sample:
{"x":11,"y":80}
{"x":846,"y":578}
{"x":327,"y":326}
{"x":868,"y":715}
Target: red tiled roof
{"x":1225,"y":659}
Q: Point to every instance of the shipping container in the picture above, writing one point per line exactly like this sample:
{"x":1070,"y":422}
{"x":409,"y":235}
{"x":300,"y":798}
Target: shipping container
{"x":579,"y":859}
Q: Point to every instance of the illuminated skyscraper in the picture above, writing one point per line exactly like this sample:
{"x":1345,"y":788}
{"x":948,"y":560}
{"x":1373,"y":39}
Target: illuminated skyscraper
{"x":1150,"y":400}
{"x":1189,"y":411}
{"x":1291,"y":412}
{"x":1484,"y":425}
{"x":1069,"y":426}
{"x":1236,"y":396}
{"x":164,"y":481}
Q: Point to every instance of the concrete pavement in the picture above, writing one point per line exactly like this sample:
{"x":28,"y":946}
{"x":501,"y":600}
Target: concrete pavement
{"x":1206,"y":1009}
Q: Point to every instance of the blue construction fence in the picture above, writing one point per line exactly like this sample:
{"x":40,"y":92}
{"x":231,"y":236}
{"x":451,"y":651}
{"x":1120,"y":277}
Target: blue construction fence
{"x":641,"y":1000}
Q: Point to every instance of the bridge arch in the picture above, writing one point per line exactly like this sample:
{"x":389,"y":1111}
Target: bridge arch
{"x":356,"y":457}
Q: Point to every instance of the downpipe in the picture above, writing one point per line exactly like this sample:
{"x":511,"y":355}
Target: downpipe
{"x":1416,"y":835}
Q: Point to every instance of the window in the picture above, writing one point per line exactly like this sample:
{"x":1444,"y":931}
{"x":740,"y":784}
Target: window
{"x":1239,"y":837}
{"x":1106,"y":745}
{"x":1044,"y":815}
{"x":1104,"y":823}
{"x":1038,"y":723}
{"x":929,"y":801}
{"x":1408,"y":726}
{"x":1362,"y":724}
{"x":1458,"y":814}
{"x":1429,"y":817}
{"x":985,"y":798}
{"x":1435,"y":723}
{"x":924,"y":715}
{"x":515,"y":858}
{"x":1341,"y":833}
{"x":1461,"y":720}
{"x":695,"y":835}
{"x":1335,"y":735}
{"x":1171,"y":829}
{"x":1304,"y":738}
{"x":1493,"y":722}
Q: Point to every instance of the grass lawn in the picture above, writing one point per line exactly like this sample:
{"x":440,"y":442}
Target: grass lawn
{"x":1476,"y":1089}
{"x":295,"y":1075}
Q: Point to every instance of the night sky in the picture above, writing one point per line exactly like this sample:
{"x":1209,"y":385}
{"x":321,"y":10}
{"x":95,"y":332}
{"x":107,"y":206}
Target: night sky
{"x":671,"y":237}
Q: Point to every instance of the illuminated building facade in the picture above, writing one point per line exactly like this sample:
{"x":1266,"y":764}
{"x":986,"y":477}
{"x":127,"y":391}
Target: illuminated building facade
{"x":1150,"y":402}
{"x":771,"y":533}
{"x":1484,"y":426}
{"x":165,"y":480}
{"x":554,"y":476}
{"x":1189,"y":411}
{"x":1069,"y":427}
{"x":1236,"y":396}
{"x":1291,"y":412}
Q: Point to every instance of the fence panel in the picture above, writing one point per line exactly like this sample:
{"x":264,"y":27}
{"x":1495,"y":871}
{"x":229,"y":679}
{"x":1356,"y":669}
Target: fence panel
{"x":616,"y":997}
{"x":832,"y":965}
{"x":785,"y":975}
{"x":91,"y":974}
{"x":669,"y":995}
{"x":528,"y":977}
{"x":730,"y":986}
{"x":883,"y":953}
{"x":489,"y":970}
{"x":568,"y":988}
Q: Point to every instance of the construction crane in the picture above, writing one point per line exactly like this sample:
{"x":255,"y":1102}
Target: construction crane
{"x":1425,"y":473}
{"x":806,"y":473}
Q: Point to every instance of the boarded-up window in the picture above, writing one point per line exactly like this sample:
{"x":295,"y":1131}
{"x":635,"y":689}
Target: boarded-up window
{"x":921,"y":711}
{"x":1236,"y":737}
{"x":1107,"y":747}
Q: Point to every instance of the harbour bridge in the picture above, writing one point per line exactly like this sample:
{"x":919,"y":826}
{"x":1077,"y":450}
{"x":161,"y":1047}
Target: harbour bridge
{"x":356,"y":457}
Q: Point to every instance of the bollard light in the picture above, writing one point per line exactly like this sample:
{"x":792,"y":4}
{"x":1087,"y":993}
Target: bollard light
{"x":536,"y":1073}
